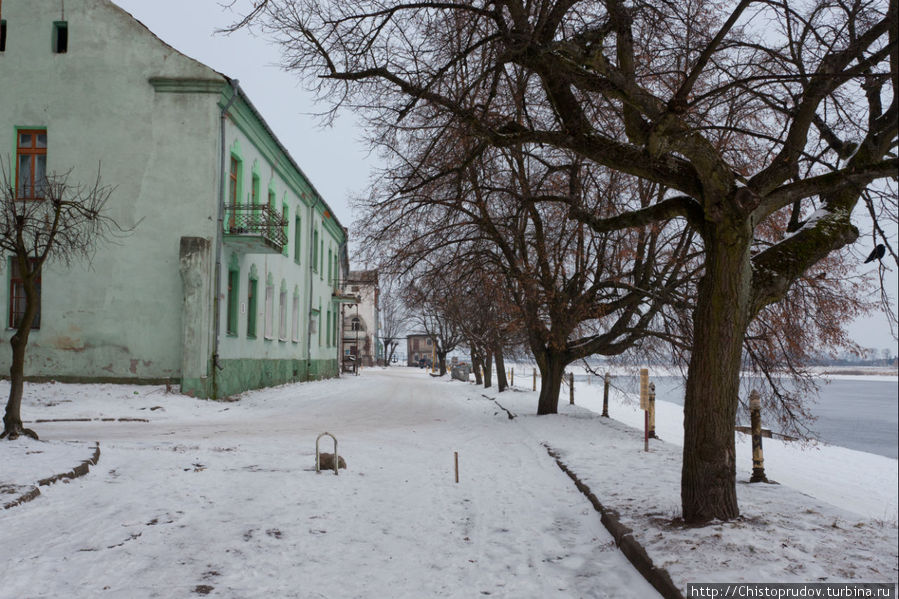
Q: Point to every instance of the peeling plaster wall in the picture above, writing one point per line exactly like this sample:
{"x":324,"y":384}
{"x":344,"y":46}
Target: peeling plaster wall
{"x":118,"y":317}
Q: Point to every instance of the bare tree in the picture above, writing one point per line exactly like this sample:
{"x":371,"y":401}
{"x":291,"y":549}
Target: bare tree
{"x":394,"y":319}
{"x":430,"y":297}
{"x":54,"y":220}
{"x":743,"y":122}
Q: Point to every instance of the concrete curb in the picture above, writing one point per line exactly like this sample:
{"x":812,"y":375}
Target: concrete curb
{"x":79,"y":470}
{"x":629,"y":546}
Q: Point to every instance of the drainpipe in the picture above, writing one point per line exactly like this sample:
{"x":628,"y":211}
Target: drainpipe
{"x":311,"y":281}
{"x":220,"y":202}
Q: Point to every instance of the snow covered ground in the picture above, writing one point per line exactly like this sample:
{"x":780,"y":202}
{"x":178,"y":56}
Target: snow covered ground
{"x":220,"y":499}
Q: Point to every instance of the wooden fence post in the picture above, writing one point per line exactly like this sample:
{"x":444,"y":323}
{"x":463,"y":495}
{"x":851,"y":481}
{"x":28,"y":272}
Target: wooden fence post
{"x":571,"y":386}
{"x":605,"y":395}
{"x":758,"y":457}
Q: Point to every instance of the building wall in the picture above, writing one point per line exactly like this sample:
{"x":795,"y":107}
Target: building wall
{"x":303,"y":275}
{"x":143,"y":308}
{"x":417,"y":347}
{"x":367,"y":312}
{"x":119,"y":316}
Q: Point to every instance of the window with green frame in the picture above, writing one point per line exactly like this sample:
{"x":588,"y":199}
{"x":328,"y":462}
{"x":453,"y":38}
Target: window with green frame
{"x":315,"y":249}
{"x":335,"y":328}
{"x":330,"y":267}
{"x":235,"y":177}
{"x":285,"y":215}
{"x":252,"y":287}
{"x":269,"y":307}
{"x":233,"y":300}
{"x":297,"y":237}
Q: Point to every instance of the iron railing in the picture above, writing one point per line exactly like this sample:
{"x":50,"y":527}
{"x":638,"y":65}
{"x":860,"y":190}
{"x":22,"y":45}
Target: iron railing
{"x":256,"y":220}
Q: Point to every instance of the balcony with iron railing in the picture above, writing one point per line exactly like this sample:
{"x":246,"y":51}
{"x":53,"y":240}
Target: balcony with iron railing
{"x":255,"y":228}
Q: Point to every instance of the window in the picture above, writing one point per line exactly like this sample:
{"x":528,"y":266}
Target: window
{"x":251,"y":307}
{"x":2,"y":36}
{"x":233,"y":300}
{"x":330,"y":267}
{"x":297,"y":228}
{"x":31,"y":164}
{"x":315,"y":249}
{"x":282,"y":313}
{"x":296,"y":316}
{"x":334,"y":328}
{"x":60,"y":37}
{"x":254,"y":191}
{"x":328,"y":336}
{"x":321,"y":257}
{"x":269,"y":309}
{"x":17,"y":300}
{"x":336,"y":270}
{"x":284,"y":218}
{"x":233,"y":188}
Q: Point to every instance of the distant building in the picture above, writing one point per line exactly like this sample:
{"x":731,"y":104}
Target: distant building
{"x":419,"y":346}
{"x":229,"y":279}
{"x":361,"y":321}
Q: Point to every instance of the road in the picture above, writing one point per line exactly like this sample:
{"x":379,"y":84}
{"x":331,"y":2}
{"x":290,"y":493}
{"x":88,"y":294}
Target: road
{"x":222,"y":500}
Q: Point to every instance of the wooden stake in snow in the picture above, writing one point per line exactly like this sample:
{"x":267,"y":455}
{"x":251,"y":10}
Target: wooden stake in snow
{"x":535,"y":379}
{"x":644,"y":405}
{"x":605,"y":395}
{"x":758,"y":457}
{"x":571,"y":386}
{"x":456,"y":460}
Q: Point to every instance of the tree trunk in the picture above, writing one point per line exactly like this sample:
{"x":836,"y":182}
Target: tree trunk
{"x":708,"y":476}
{"x":12,"y":419}
{"x":501,"y":382}
{"x":441,"y":361}
{"x":488,"y":369}
{"x":552,"y":369}
{"x":391,"y":348}
{"x":476,"y":363}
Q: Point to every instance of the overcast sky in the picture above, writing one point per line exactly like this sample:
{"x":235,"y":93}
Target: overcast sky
{"x":335,"y":159}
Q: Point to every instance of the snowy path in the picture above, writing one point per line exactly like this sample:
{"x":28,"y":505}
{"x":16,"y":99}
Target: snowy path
{"x":218,"y":499}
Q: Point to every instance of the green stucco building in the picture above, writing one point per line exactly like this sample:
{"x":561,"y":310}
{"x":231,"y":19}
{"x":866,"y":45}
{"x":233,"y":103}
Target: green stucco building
{"x":229,"y":279}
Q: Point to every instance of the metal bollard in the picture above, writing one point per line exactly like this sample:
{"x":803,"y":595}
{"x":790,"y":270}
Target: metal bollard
{"x":318,"y":456}
{"x":758,"y":457}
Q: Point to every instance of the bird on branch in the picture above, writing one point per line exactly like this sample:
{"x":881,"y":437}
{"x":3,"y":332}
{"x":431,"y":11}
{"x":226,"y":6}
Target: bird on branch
{"x":877,"y":253}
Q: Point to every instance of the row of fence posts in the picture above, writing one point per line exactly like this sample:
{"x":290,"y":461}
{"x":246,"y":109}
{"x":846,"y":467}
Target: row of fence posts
{"x":648,"y":405}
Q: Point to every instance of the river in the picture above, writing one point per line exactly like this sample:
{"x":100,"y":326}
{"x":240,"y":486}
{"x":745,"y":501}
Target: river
{"x":860,"y":413}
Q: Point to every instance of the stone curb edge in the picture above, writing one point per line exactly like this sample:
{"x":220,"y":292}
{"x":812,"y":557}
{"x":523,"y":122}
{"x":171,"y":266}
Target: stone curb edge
{"x":79,"y":470}
{"x":629,"y":546}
